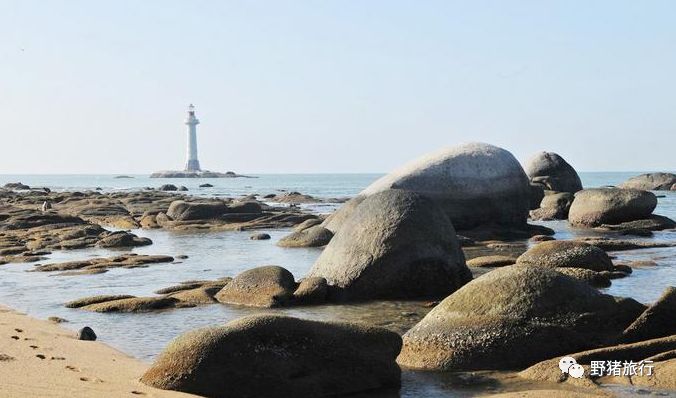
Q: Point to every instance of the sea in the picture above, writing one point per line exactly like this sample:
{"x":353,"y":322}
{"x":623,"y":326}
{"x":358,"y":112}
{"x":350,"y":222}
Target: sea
{"x":212,"y":255}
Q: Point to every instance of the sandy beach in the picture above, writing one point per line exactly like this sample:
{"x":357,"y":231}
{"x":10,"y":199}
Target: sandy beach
{"x":41,"y":359}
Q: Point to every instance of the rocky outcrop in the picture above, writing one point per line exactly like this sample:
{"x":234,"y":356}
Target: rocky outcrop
{"x":122,"y":239}
{"x":659,"y":320}
{"x":513,"y":317}
{"x":95,"y":300}
{"x":549,"y":370}
{"x":474,"y":184}
{"x":651,"y":182}
{"x":267,"y":286}
{"x":609,"y":244}
{"x":564,"y":253}
{"x":130,"y":260}
{"x":180,"y":210}
{"x":196,"y":174}
{"x":598,"y":206}
{"x":315,"y":236}
{"x":554,"y":206}
{"x":133,"y":304}
{"x":396,"y":244}
{"x":491,"y":261}
{"x":268,"y":355}
{"x":552,"y":172}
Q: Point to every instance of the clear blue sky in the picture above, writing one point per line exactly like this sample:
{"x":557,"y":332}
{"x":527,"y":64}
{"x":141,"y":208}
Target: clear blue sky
{"x":333,"y":86}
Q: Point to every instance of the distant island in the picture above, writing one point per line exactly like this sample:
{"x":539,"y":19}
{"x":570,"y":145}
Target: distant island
{"x":196,"y":174}
{"x":123,"y":176}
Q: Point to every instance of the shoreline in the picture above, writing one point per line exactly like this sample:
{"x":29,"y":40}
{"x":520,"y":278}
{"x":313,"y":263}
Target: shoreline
{"x":41,"y":358}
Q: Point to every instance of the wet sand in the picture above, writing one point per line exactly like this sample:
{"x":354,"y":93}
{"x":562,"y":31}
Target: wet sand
{"x":41,"y":359}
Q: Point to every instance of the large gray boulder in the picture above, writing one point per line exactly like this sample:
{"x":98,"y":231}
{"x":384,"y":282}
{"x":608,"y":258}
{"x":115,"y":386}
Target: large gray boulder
{"x":396,"y":244}
{"x":278,"y":356}
{"x":513,"y":317}
{"x":553,"y":172}
{"x":651,"y":182}
{"x":598,"y":206}
{"x":474,"y":184}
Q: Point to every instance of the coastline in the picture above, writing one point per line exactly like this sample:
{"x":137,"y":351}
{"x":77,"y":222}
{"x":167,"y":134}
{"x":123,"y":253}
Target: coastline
{"x":70,"y":367}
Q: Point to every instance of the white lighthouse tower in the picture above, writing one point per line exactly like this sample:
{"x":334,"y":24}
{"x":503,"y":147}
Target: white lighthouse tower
{"x":191,"y":163}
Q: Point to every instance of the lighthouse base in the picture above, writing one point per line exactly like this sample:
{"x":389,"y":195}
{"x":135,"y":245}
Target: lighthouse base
{"x":196,"y":174}
{"x":192,"y":165}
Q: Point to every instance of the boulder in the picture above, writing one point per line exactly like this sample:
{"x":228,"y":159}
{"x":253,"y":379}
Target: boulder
{"x":566,"y":253}
{"x":316,"y":236}
{"x":278,"y":356}
{"x":659,"y":320}
{"x":207,"y":185}
{"x":267,"y":286}
{"x":180,"y":210}
{"x":474,"y":184}
{"x":311,"y":291}
{"x":553,"y":172}
{"x":554,"y":206}
{"x":86,"y":333}
{"x":491,"y":261}
{"x":260,"y":236}
{"x":594,"y":207}
{"x":397,"y":244}
{"x":651,"y":182}
{"x":168,"y":187}
{"x":307,"y":224}
{"x":196,"y":296}
{"x":513,"y":317}
{"x":122,"y":239}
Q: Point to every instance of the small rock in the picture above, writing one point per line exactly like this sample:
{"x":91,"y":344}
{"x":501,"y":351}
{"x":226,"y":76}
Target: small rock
{"x":86,"y":333}
{"x":261,"y":236}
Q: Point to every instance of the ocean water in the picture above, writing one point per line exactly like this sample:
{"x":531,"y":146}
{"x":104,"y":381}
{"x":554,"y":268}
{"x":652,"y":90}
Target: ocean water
{"x":216,"y":254}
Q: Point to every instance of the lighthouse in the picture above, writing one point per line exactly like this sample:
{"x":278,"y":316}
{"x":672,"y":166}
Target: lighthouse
{"x":191,"y":163}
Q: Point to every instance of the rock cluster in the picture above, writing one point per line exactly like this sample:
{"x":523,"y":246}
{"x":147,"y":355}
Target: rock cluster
{"x":102,"y":264}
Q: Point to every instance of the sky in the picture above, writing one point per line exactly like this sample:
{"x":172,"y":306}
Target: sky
{"x":333,"y":86}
